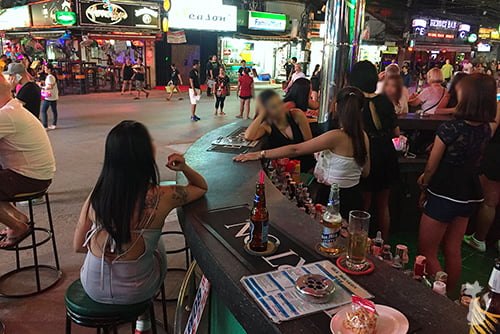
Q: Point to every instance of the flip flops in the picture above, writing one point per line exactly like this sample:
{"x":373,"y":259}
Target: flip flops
{"x":14,"y":241}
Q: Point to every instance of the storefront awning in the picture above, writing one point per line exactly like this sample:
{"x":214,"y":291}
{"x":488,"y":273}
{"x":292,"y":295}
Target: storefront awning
{"x":280,"y":38}
{"x":449,"y":48}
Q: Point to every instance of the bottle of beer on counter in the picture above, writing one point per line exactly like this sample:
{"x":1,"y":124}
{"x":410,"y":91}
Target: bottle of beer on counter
{"x":259,"y":220}
{"x":332,"y":222}
{"x":485,"y":310}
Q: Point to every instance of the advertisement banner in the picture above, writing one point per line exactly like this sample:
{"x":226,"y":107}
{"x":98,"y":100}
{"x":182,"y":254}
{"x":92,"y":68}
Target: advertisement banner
{"x":17,"y":17}
{"x":119,"y":15}
{"x":202,"y":16}
{"x":44,"y":14}
{"x":176,"y":37}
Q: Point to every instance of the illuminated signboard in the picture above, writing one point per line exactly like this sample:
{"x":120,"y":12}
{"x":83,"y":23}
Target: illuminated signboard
{"x":443,"y":24}
{"x":120,"y":15}
{"x":17,"y":17}
{"x":483,"y":47}
{"x":65,"y":18}
{"x":202,"y":15}
{"x":439,"y":35}
{"x":43,"y":14}
{"x":430,"y":28}
{"x":488,"y":33}
{"x":266,"y":21}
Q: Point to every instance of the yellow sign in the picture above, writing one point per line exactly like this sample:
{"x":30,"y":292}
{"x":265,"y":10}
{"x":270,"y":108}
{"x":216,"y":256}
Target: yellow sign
{"x":488,"y":33}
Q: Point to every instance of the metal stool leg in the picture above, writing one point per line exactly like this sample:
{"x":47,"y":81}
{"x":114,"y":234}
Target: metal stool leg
{"x":51,"y":226}
{"x":164,"y":307}
{"x":68,"y":324}
{"x":35,"y":252}
{"x":153,"y":318}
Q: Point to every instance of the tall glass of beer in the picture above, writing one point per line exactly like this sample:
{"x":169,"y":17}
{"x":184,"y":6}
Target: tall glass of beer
{"x":359,"y":222}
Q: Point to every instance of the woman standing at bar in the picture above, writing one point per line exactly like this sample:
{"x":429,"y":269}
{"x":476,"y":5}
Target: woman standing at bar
{"x":121,"y":222}
{"x":451,"y":190}
{"x":379,"y":119}
{"x":281,"y":125}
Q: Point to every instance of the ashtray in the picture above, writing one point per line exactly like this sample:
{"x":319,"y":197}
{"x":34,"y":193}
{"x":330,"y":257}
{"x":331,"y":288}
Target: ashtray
{"x":317,"y":289}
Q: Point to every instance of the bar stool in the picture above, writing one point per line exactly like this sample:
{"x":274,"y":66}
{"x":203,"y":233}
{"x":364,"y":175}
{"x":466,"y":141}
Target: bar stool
{"x":2,"y":328}
{"x":18,"y":275}
{"x":82,"y":310}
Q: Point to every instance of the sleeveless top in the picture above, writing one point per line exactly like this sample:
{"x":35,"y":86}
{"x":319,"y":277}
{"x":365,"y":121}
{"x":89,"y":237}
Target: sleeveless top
{"x":277,"y":139}
{"x":125,"y":282}
{"x":127,"y":72}
{"x":333,"y":168}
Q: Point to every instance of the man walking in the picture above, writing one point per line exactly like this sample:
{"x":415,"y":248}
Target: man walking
{"x":194,"y":88}
{"x":30,"y":92}
{"x":447,"y":70}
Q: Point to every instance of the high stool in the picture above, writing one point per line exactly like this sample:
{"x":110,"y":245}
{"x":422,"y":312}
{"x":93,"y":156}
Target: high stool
{"x":51,"y":273}
{"x":82,"y":310}
{"x":2,"y":328}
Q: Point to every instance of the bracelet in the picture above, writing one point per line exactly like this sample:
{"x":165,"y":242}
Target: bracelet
{"x":262,"y":154}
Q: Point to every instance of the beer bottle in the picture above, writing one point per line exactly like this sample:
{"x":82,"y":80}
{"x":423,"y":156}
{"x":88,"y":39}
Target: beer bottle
{"x":485,"y":310}
{"x":332,"y":222}
{"x":259,"y":219}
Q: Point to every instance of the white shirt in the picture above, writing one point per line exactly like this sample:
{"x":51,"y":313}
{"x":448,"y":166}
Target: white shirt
{"x":468,"y":68}
{"x":430,"y":97}
{"x":53,"y":93}
{"x":297,"y":75}
{"x":333,"y":168}
{"x":24,"y":145}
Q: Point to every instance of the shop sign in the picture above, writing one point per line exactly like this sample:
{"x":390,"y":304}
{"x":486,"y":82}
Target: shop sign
{"x":488,"y":33}
{"x":202,"y":16}
{"x":16,"y":17}
{"x":43,"y":14}
{"x":65,"y":18}
{"x":440,"y":28}
{"x":119,"y":14}
{"x":266,"y":21}
{"x":443,"y":24}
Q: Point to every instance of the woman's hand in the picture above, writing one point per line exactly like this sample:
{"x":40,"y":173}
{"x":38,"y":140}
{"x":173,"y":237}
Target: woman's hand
{"x":420,"y":182}
{"x":422,"y":200}
{"x":247,"y":157}
{"x":176,"y":162}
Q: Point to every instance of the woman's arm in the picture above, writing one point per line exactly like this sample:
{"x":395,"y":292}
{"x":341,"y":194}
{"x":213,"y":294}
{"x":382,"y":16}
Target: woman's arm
{"x":257,"y":129}
{"x":300,"y":118}
{"x":414,"y":101}
{"x":432,"y":164}
{"x":181,"y":195}
{"x":397,"y":132}
{"x":494,"y":125}
{"x":180,"y":78}
{"x":323,"y":142}
{"x":366,"y":167}
{"x":252,"y":88}
{"x":82,"y":227}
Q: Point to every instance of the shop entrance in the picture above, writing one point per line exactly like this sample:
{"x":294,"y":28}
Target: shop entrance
{"x":183,"y":56}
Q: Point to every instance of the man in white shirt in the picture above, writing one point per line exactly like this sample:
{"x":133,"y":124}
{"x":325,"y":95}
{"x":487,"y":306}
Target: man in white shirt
{"x":467,"y":66}
{"x":297,"y":74}
{"x":27,"y":163}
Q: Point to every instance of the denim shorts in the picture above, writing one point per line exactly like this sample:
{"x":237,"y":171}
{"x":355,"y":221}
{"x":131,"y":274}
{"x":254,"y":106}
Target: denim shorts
{"x":445,"y":210}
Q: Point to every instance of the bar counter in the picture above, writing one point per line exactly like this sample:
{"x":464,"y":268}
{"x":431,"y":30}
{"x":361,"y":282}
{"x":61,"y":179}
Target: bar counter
{"x":416,"y":122}
{"x":232,"y":185}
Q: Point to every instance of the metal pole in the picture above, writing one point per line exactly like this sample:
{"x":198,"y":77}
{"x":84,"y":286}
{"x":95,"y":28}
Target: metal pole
{"x":344,"y":20}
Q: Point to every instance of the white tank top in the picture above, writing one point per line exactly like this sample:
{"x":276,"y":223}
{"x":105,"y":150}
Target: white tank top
{"x":333,"y":168}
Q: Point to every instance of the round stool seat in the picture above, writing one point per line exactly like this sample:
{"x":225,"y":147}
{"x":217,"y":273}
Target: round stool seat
{"x":79,"y":303}
{"x":27,"y":196}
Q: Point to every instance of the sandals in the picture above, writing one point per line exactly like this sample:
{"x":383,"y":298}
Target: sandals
{"x":14,"y":241}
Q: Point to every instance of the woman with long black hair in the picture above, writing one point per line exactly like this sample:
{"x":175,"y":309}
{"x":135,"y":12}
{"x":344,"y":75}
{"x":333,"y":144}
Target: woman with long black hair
{"x":121,"y":222}
{"x":344,"y":154}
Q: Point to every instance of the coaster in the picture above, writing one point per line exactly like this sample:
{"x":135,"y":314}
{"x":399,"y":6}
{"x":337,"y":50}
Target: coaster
{"x":368,"y":268}
{"x":320,"y":250}
{"x":272,"y":247}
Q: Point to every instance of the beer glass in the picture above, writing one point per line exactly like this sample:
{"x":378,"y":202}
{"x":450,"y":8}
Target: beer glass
{"x":359,"y":222}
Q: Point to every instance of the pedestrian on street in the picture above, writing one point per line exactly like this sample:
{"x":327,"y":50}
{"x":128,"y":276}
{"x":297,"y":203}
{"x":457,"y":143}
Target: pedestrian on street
{"x":245,"y":93}
{"x":30,"y":92}
{"x":212,"y":72}
{"x":242,"y":68}
{"x":140,"y":78}
{"x":221,"y":90}
{"x":51,"y":95}
{"x":194,"y":88}
{"x":127,"y":74}
{"x":175,"y":81}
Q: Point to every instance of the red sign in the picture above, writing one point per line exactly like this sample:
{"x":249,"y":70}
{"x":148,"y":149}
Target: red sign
{"x":440,"y":35}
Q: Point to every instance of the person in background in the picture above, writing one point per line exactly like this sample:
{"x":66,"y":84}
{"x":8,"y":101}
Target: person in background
{"x":109,"y":61}
{"x":194,"y":88}
{"x":316,"y":82}
{"x":175,"y":81}
{"x":452,"y":94}
{"x":405,"y":74}
{"x":140,"y":79}
{"x":380,"y":124}
{"x":397,"y":93}
{"x":212,"y":70}
{"x":243,"y":67}
{"x":297,"y":74}
{"x":127,"y":74}
{"x":222,"y":90}
{"x":3,"y":63}
{"x":26,"y":61}
{"x":245,"y":92}
{"x":447,"y":70}
{"x":299,"y":95}
{"x":344,"y":153}
{"x":451,"y":190}
{"x":281,"y":126}
{"x":289,"y":67}
{"x":30,"y":92}
{"x":51,"y":96}
{"x":27,"y":163}
{"x":432,"y":97}
{"x":121,"y":222}
{"x":467,"y":66}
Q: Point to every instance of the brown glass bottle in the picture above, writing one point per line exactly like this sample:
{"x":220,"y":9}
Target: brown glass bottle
{"x":485,"y":310}
{"x":259,"y":219}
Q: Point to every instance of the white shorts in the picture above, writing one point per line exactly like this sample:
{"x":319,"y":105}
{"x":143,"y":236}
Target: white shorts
{"x":194,"y":98}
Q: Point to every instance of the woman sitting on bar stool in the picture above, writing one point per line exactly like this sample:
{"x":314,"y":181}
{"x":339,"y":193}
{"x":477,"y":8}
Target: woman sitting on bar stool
{"x":121,"y":222}
{"x":282,"y":126}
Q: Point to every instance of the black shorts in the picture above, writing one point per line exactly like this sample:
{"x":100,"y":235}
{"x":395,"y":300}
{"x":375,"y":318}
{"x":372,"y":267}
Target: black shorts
{"x":445,"y":210}
{"x":12,"y":184}
{"x":245,"y":97}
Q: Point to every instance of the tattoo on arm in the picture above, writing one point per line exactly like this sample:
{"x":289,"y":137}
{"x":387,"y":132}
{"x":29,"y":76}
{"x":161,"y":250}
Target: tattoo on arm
{"x":180,"y":195}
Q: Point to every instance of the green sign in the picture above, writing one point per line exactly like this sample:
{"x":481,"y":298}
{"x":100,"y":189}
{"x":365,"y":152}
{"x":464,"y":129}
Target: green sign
{"x":266,"y":21}
{"x":66,"y":18}
{"x":472,"y":38}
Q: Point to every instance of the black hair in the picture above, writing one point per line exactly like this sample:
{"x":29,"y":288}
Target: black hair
{"x":294,"y":59}
{"x":364,"y":76}
{"x":453,"y":101}
{"x":350,"y":102}
{"x":196,"y":62}
{"x":299,"y":93}
{"x":140,"y":58}
{"x":267,"y":95}
{"x":246,"y":70}
{"x":128,"y":172}
{"x":173,"y":65}
{"x":316,"y":68}
{"x":243,"y":61}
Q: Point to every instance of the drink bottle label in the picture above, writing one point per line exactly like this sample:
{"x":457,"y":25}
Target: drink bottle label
{"x":265,"y":230}
{"x":329,"y":237}
{"x":494,"y":282}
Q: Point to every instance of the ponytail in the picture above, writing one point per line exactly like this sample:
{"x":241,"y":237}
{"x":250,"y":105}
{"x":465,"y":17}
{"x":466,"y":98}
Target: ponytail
{"x":350,"y":102}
